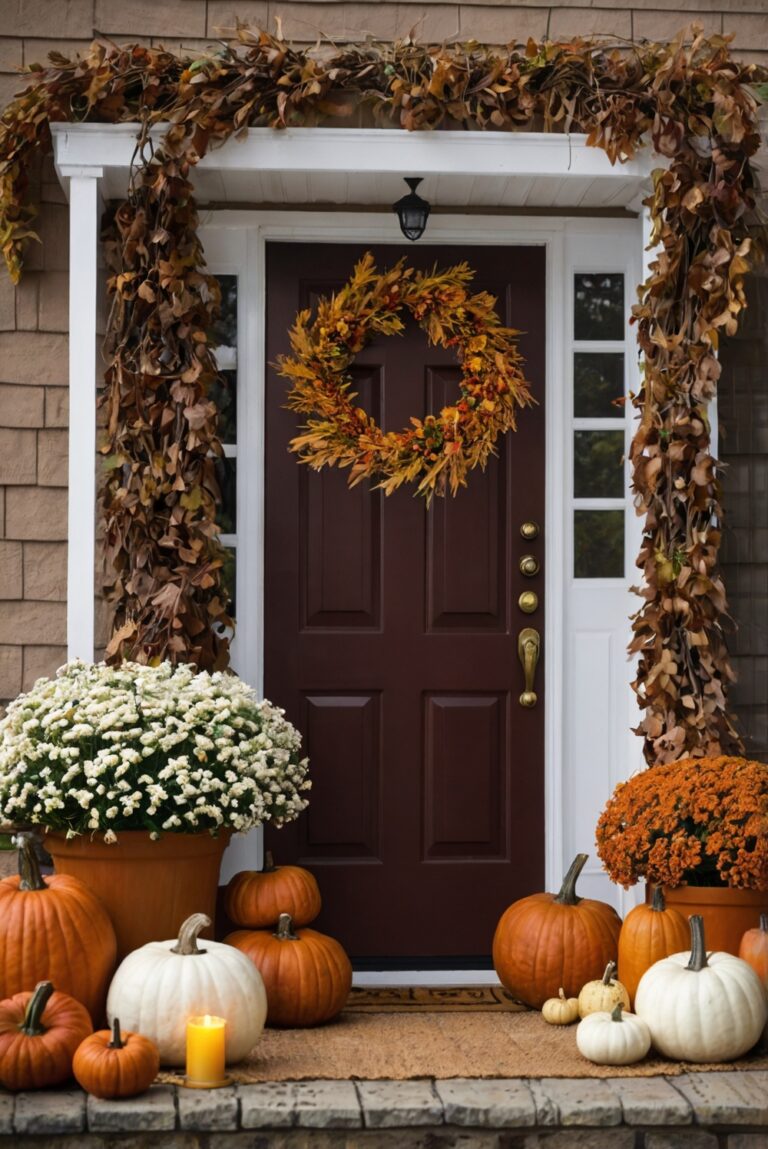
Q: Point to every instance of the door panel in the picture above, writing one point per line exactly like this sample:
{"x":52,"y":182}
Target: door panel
{"x":391,"y":639}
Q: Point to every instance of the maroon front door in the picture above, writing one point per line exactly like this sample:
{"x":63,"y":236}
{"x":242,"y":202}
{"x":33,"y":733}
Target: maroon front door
{"x":391,"y":638}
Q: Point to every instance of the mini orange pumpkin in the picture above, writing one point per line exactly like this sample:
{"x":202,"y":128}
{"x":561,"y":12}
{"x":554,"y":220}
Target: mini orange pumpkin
{"x":648,"y":934}
{"x":754,"y":949}
{"x":256,"y":898}
{"x":114,"y":1064}
{"x":55,"y":928}
{"x":547,"y":941}
{"x":307,"y":975}
{"x":39,"y":1033}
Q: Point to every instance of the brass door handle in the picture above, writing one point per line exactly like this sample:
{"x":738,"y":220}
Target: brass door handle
{"x":528,"y":649}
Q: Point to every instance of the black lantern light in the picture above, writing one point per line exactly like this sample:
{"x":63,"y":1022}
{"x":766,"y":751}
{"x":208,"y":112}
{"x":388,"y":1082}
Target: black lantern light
{"x":412,"y":211}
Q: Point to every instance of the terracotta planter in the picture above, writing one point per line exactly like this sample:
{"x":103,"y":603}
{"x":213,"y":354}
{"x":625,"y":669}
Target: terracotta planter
{"x":148,"y":887}
{"x":727,"y":913}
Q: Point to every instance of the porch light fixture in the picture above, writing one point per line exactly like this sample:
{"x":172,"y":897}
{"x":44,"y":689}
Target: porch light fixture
{"x":412,"y":211}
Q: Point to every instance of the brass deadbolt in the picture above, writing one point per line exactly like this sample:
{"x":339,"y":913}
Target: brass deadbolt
{"x":530,"y":530}
{"x":528,"y":601}
{"x":529,"y":566}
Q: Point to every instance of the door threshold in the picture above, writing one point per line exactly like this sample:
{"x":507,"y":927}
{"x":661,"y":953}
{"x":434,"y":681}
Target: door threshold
{"x":423,"y":977}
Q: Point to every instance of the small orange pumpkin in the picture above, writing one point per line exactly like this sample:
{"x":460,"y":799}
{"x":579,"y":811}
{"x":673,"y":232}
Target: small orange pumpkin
{"x":55,"y":928}
{"x":114,"y":1064}
{"x":648,"y":934}
{"x":306,"y":974}
{"x":256,"y":898}
{"x":39,"y":1033}
{"x":547,"y":941}
{"x":754,"y":949}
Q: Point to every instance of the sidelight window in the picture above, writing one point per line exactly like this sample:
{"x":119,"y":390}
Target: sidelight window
{"x":598,"y":350}
{"x":224,"y":395}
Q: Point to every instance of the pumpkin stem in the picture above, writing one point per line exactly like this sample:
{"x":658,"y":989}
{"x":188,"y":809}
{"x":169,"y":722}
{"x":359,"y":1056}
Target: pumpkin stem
{"x":117,"y":1037}
{"x":698,"y":948}
{"x":657,"y":902}
{"x":561,"y":994}
{"x":29,"y":867}
{"x":610,"y":970}
{"x":284,"y":931}
{"x":567,"y":895}
{"x":32,"y":1025}
{"x":616,"y":1012}
{"x":269,"y":866}
{"x":764,"y":923}
{"x":187,"y":943}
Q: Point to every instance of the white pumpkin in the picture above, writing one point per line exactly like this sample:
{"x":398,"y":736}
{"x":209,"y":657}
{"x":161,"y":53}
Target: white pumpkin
{"x":614,"y":1038}
{"x":699,"y":1006}
{"x":159,"y":986}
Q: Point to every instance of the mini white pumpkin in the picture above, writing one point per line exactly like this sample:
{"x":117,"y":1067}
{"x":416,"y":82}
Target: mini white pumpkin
{"x":614,"y":1038}
{"x":560,"y":1010}
{"x":159,"y":986}
{"x":699,"y":1006}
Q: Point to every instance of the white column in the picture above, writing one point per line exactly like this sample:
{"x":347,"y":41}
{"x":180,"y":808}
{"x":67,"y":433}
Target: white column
{"x":84,"y":222}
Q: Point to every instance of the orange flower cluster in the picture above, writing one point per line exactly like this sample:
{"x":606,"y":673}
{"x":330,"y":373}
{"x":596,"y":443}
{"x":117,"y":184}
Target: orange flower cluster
{"x":440,"y":449}
{"x":700,"y":821}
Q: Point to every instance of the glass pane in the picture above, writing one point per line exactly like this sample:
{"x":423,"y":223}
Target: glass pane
{"x":599,"y":306}
{"x":224,"y":331}
{"x":226,"y":473}
{"x":597,"y":464}
{"x":598,"y":379}
{"x":228,"y":572}
{"x":224,"y":394}
{"x":598,"y":544}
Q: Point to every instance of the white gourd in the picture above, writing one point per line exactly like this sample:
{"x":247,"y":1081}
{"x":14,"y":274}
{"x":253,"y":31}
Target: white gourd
{"x":702,"y":1007}
{"x":614,"y":1038}
{"x":162,"y":984}
{"x":603,"y":994}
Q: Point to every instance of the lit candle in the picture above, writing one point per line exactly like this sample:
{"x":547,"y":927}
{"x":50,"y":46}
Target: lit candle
{"x":205,"y":1051}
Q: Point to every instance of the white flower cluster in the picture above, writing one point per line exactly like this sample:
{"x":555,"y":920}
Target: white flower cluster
{"x":164,"y":749}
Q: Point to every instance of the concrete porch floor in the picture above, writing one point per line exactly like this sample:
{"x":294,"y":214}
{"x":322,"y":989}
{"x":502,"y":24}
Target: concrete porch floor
{"x":696,"y":1111}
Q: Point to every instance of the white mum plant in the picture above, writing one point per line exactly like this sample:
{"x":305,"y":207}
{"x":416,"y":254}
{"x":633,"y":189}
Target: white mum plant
{"x":131,"y":747}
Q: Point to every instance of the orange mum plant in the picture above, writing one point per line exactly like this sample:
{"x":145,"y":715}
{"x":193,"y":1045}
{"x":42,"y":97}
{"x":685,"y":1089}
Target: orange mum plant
{"x":699,"y":822}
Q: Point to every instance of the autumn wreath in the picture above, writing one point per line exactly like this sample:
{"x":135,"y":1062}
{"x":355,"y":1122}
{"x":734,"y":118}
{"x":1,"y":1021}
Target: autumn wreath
{"x":434,"y":451}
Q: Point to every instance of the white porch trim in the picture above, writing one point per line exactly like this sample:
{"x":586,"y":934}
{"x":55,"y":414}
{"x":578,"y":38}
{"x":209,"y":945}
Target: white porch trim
{"x":84,"y":221}
{"x":378,"y":150}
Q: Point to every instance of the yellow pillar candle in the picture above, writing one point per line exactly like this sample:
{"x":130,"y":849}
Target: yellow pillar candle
{"x":206,"y":1051}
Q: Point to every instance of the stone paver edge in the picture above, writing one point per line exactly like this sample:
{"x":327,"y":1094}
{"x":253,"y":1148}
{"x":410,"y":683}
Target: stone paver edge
{"x":326,"y":1104}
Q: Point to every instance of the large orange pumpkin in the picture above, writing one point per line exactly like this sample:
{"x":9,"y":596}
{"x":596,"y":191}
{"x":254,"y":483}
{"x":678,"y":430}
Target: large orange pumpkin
{"x":648,"y":934}
{"x":256,"y":898}
{"x":754,"y":949}
{"x":114,"y":1064}
{"x":39,"y":1033}
{"x":546,"y":941}
{"x":307,"y":975}
{"x":54,"y":928}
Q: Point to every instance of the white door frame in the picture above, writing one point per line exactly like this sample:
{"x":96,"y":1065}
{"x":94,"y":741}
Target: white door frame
{"x":234,"y":242}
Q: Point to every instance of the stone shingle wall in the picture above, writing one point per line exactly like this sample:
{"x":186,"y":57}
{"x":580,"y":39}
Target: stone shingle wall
{"x":33,"y":319}
{"x":33,"y":453}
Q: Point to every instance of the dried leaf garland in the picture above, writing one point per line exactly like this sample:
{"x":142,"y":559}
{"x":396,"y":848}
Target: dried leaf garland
{"x":693,"y":101}
{"x":436,"y":451}
{"x":160,"y":491}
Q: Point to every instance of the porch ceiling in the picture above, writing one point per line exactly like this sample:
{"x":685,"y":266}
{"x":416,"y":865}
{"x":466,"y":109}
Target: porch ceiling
{"x":345,"y":166}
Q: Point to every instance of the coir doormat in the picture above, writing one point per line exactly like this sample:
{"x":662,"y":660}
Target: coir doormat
{"x":401,"y":1046}
{"x":431,"y":999}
